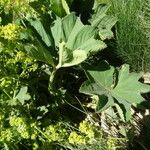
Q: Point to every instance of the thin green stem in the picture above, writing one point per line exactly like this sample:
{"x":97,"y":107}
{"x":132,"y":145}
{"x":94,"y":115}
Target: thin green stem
{"x":52,"y":80}
{"x":7,"y":94}
{"x":42,"y":133}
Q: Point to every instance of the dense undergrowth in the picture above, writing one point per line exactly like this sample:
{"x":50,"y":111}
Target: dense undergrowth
{"x":63,"y":84}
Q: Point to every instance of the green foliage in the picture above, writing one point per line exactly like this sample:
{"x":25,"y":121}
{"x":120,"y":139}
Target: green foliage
{"x":132,"y":44}
{"x":92,"y":137}
{"x":121,"y":86}
{"x":78,"y":41}
{"x":71,"y":37}
{"x":103,"y":22}
{"x":45,"y":47}
{"x":60,"y":7}
{"x":23,"y":95}
{"x":39,"y":53}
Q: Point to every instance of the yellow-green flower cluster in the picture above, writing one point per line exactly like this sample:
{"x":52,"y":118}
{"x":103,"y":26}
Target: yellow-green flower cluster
{"x":86,"y":134}
{"x":111,"y":142}
{"x":35,"y":146}
{"x":28,"y":64}
{"x":6,"y":135}
{"x":20,"y":125}
{"x":5,"y":82}
{"x":55,"y":133}
{"x":1,"y":116}
{"x":114,"y":143}
{"x":1,"y":46}
{"x":16,"y":5}
{"x":75,"y":138}
{"x":87,"y":129}
{"x":20,"y":57}
{"x":34,"y":132}
{"x":10,"y":31}
{"x":34,"y":135}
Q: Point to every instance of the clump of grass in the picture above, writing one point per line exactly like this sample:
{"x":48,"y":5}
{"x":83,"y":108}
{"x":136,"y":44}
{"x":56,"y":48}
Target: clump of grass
{"x":132,"y":32}
{"x":145,"y":24}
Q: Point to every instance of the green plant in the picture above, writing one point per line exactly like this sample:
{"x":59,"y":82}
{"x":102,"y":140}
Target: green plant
{"x":44,"y":52}
{"x":71,"y":38}
{"x":114,"y":87}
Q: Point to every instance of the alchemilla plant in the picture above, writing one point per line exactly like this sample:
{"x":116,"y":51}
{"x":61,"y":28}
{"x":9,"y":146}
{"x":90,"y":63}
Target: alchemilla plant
{"x":56,"y":90}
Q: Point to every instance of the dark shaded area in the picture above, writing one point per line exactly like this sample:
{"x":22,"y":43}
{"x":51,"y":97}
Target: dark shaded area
{"x":110,"y":53}
{"x":142,"y":141}
{"x":83,"y":8}
{"x":6,"y":18}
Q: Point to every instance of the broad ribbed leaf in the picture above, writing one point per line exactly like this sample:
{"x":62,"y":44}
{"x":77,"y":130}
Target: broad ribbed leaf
{"x":60,"y":7}
{"x":126,"y":109}
{"x":38,"y":52}
{"x":66,"y":28}
{"x":38,"y":26}
{"x":56,"y":31}
{"x":99,"y":13}
{"x":103,"y":75}
{"x":78,"y":56}
{"x":67,"y":25}
{"x":103,"y":22}
{"x":68,"y":57}
{"x":92,"y":88}
{"x":125,"y":87}
{"x":104,"y":103}
{"x":42,"y":42}
{"x":128,"y":86}
{"x":76,"y":41}
{"x":120,"y":112}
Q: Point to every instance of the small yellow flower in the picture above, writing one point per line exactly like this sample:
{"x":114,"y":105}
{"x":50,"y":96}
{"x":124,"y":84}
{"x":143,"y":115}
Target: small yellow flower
{"x":87,"y":129}
{"x":15,"y":121}
{"x":1,"y":116}
{"x":111,"y":143}
{"x":6,"y":135}
{"x":9,"y":31}
{"x":20,"y":125}
{"x":75,"y":138}
{"x":35,"y":146}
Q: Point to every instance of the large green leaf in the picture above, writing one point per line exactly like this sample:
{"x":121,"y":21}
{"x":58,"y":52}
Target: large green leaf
{"x":101,"y":80}
{"x":125,"y":87}
{"x":38,"y":26}
{"x":39,"y":52}
{"x":66,"y":28}
{"x":126,"y":110}
{"x":103,"y":21}
{"x":60,"y":7}
{"x":68,"y":57}
{"x":74,"y":40}
{"x":41,"y":42}
{"x":56,"y":31}
{"x":104,"y":103}
{"x":128,"y":86}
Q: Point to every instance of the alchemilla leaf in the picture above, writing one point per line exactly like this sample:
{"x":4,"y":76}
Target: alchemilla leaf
{"x":22,"y":96}
{"x":128,"y":86}
{"x":124,"y":87}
